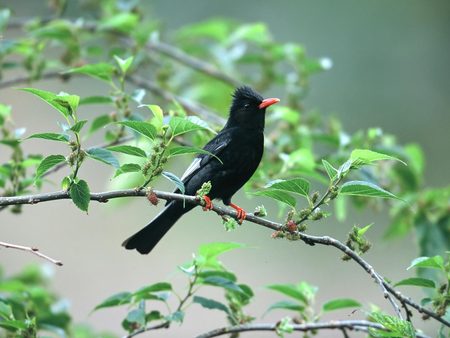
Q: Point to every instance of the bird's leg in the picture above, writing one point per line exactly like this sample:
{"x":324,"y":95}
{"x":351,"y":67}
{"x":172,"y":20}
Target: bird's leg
{"x":208,"y":203}
{"x":241,"y":214}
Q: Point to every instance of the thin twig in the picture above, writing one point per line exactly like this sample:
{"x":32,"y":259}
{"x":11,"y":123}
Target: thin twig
{"x":356,"y":325}
{"x":28,"y":79}
{"x":191,"y":62}
{"x":191,"y":107}
{"x":324,"y":240}
{"x":34,"y":251}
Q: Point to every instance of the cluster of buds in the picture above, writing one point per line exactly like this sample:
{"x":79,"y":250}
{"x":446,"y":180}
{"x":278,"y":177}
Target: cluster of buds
{"x":154,"y":166}
{"x":355,"y":241}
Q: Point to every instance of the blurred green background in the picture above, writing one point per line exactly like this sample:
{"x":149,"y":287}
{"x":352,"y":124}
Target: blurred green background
{"x":390,"y":70}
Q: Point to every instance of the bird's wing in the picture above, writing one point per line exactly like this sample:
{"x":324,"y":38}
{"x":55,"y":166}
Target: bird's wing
{"x":214,"y":147}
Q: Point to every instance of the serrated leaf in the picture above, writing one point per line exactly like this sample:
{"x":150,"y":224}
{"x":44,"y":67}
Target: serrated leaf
{"x":417,"y":281}
{"x":144,"y":128}
{"x":70,"y":102}
{"x":99,"y":122}
{"x":277,"y":195}
{"x":80,"y":194}
{"x":76,"y":128}
{"x":129,"y":150}
{"x":48,"y":163}
{"x":211,"y":304}
{"x":115,"y":300}
{"x":296,"y":185}
{"x":436,"y":262}
{"x":174,"y":179}
{"x":5,"y":310}
{"x":341,"y":303}
{"x":286,"y":305}
{"x":289,"y":290}
{"x":136,"y":317}
{"x":366,"y":156}
{"x":331,"y":171}
{"x":367,"y":189}
{"x":102,"y":71}
{"x":95,"y":100}
{"x":60,"y":103}
{"x":221,"y":282}
{"x":182,"y":150}
{"x":124,"y":64}
{"x":179,"y":126}
{"x":202,"y":123}
{"x":176,"y":316}
{"x":157,"y":287}
{"x":51,"y":137}
{"x":13,"y":324}
{"x":127,"y":168}
{"x":123,"y":22}
{"x":215,"y":249}
{"x":103,"y":155}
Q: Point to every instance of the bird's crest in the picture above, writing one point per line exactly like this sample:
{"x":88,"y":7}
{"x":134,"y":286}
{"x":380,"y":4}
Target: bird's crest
{"x":245,"y":92}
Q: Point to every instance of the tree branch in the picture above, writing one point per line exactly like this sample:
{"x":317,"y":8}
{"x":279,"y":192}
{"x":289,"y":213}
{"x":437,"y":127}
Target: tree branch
{"x":34,"y":251}
{"x":191,"y":62}
{"x":308,"y":239}
{"x":356,"y":325}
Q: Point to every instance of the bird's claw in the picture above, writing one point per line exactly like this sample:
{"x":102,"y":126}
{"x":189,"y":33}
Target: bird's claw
{"x":208,"y":204}
{"x":241,"y":215}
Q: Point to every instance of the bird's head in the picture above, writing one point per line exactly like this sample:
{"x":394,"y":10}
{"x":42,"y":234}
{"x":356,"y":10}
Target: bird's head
{"x":248,"y":108}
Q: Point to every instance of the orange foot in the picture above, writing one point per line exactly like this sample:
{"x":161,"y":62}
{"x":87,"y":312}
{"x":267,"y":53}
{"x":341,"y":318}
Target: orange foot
{"x":241,"y":214}
{"x":208,"y":203}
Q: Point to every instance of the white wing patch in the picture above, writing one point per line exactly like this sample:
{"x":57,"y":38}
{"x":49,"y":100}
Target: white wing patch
{"x":195,"y":165}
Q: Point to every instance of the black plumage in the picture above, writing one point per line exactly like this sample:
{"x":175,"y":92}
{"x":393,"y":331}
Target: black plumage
{"x":239,"y":146}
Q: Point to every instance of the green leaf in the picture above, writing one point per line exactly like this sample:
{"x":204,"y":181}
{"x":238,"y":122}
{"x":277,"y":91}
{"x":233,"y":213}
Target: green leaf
{"x":341,"y":303}
{"x":211,"y":304}
{"x":64,"y":103}
{"x":124,"y":65}
{"x":101,"y":71}
{"x":115,"y":300}
{"x":99,"y":122}
{"x":436,"y":262}
{"x":123,"y":22}
{"x":144,"y":128}
{"x":362,"y":231}
{"x":5,"y":310}
{"x":368,"y":156}
{"x":129,"y":150}
{"x":289,"y":290}
{"x":174,"y":179}
{"x":215,"y":249}
{"x":127,"y":168}
{"x":51,"y":137}
{"x":5,"y":13}
{"x":296,"y":185}
{"x":176,"y":316}
{"x":76,"y":128}
{"x":362,"y":188}
{"x":331,"y":171}
{"x":396,"y":326}
{"x":65,"y":183}
{"x":157,"y":287}
{"x":13,"y":324}
{"x":103,"y":155}
{"x":180,"y":125}
{"x":277,"y":195}
{"x":48,"y":163}
{"x":176,"y":151}
{"x":96,"y":100}
{"x":136,"y":318}
{"x":286,"y":305}
{"x":202,"y":123}
{"x":417,"y":281}
{"x":80,"y":194}
{"x":222,"y":282}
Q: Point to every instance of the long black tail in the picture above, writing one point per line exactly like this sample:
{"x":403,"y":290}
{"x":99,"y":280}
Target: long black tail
{"x":146,"y":239}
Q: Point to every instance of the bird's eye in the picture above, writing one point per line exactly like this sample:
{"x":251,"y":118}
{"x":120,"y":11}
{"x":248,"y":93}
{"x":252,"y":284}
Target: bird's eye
{"x":247,"y":105}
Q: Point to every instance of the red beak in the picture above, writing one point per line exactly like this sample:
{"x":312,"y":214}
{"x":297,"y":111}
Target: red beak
{"x":268,"y":102}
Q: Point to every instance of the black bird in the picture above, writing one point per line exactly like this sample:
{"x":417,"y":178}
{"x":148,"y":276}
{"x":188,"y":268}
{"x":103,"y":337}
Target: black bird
{"x":239,"y":146}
